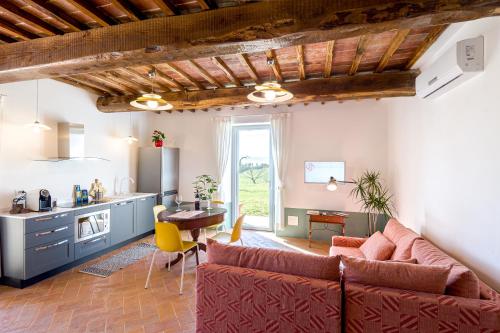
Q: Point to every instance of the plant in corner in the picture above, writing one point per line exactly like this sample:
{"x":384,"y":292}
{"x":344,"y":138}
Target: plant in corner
{"x":158,"y":138}
{"x":373,"y":196}
{"x":205,"y":186}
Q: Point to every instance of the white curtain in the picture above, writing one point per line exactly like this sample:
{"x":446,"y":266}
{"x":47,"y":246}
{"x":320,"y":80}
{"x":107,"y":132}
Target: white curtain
{"x":280,"y":124}
{"x":222,"y":126}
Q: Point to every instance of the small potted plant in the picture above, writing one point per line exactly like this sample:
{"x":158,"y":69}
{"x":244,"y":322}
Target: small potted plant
{"x":205,"y":186}
{"x":158,"y":138}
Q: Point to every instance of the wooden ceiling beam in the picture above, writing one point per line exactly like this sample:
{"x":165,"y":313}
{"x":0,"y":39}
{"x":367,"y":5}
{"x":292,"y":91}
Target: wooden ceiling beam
{"x":166,"y":7}
{"x":206,"y":75}
{"x":124,"y":90}
{"x":124,"y":82}
{"x":129,"y":9}
{"x":7,"y":39}
{"x":245,"y":61}
{"x":360,"y":51}
{"x":225,"y":31}
{"x":393,"y":47}
{"x":92,"y":84}
{"x":17,"y":31}
{"x":184,"y":75}
{"x":300,"y":61}
{"x":429,"y":40}
{"x":170,"y":81}
{"x":75,"y":83}
{"x":271,"y":54}
{"x":52,"y":10}
{"x":329,"y":59}
{"x":388,"y":84}
{"x":217,"y":61}
{"x":92,"y":12}
{"x":31,"y":19}
{"x":206,"y":4}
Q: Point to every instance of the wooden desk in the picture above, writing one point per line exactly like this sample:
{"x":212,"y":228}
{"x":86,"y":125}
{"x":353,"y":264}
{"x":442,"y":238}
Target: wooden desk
{"x":329,"y":217}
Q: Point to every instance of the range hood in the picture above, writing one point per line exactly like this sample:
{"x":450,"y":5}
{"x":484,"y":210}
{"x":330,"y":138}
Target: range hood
{"x":71,"y":143}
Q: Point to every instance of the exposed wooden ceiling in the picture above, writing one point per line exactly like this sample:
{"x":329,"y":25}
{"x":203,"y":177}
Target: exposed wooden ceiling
{"x":209,"y":53}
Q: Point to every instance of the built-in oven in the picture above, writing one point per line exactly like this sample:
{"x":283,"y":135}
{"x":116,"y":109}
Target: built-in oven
{"x":92,"y":224}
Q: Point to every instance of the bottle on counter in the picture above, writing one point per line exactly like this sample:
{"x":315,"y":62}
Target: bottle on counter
{"x":85,"y":196}
{"x":196,"y":201}
{"x":77,"y":194}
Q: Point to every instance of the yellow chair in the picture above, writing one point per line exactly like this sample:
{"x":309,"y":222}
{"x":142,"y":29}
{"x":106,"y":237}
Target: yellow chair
{"x":168,"y":239}
{"x":216,"y":226}
{"x":234,"y":236}
{"x":157,"y":210}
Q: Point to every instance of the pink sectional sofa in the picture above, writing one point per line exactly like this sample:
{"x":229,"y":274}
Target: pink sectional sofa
{"x":262,"y":290}
{"x":467,"y":304}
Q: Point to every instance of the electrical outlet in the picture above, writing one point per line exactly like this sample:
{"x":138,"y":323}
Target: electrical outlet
{"x":293,"y":220}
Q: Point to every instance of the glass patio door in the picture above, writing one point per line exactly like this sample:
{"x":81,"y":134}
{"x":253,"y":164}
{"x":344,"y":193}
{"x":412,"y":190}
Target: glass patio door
{"x":253,"y":176}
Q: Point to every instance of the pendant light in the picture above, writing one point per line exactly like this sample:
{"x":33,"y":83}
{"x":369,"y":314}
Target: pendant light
{"x":37,"y":126}
{"x":270,"y":91}
{"x":151,"y":101}
{"x":130,"y":138}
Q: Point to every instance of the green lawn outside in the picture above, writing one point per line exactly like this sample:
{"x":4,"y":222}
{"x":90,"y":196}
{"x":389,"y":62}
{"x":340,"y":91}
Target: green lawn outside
{"x":255,"y":197}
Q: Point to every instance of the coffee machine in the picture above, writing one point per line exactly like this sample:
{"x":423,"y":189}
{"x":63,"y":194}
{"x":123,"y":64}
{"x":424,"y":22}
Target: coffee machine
{"x":45,"y":201}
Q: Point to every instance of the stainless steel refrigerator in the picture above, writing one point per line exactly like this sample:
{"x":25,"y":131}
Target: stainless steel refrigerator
{"x":158,"y":172}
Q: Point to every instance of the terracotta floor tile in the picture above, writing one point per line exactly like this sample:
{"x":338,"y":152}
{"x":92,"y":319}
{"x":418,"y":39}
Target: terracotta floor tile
{"x":74,"y":302}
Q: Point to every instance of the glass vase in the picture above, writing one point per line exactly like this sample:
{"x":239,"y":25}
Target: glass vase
{"x":209,"y":204}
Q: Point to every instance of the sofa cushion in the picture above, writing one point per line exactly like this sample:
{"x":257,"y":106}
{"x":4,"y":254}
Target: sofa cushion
{"x":402,"y":237}
{"x":377,"y":247}
{"x":317,"y":267}
{"x":348,"y":241}
{"x":462,"y":281}
{"x":423,"y":278}
{"x":346,"y":251}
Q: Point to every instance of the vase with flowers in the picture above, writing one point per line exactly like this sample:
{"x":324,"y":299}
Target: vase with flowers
{"x":158,"y":138}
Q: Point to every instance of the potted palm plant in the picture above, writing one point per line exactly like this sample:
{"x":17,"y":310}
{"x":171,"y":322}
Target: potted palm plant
{"x":373,"y":196}
{"x":205,"y":186}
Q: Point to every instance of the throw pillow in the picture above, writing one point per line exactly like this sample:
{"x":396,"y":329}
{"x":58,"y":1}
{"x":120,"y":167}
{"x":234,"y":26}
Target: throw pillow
{"x":377,"y":247}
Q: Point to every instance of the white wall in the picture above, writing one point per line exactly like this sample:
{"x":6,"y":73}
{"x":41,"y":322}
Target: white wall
{"x":444,"y":160}
{"x":354,"y":132}
{"x":59,"y":103}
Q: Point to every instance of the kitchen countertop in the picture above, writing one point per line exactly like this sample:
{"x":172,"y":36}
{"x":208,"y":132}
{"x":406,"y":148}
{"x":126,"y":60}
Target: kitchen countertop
{"x":57,"y":210}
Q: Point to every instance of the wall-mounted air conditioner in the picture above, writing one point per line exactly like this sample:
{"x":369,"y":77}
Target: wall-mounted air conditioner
{"x":460,"y":63}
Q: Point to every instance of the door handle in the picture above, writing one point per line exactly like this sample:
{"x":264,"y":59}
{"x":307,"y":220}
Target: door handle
{"x":46,"y":247}
{"x":51,"y":231}
{"x":94,"y":240}
{"x":41,"y":219}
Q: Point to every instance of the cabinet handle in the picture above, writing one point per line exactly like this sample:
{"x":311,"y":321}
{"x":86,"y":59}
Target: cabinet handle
{"x":62,"y":215}
{"x":94,"y":240}
{"x":41,"y":219}
{"x":38,"y":234}
{"x":46,"y":247}
{"x":143,"y":199}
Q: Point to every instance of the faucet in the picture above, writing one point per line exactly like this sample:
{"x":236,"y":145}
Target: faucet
{"x":128,"y":179}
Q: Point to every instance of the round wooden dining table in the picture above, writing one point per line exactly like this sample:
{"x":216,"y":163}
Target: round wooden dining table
{"x":194,"y":224}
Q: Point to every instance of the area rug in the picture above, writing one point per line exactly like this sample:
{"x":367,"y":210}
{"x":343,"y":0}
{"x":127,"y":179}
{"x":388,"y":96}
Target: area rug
{"x":256,"y":239}
{"x":106,"y":267}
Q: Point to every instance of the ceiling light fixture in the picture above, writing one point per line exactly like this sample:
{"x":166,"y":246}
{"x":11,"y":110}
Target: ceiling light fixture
{"x":151,"y":101}
{"x":37,"y":126}
{"x":130,"y":139}
{"x":271,"y":91}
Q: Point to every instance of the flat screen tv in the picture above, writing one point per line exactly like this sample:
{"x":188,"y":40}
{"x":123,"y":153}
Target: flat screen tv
{"x":320,"y":172}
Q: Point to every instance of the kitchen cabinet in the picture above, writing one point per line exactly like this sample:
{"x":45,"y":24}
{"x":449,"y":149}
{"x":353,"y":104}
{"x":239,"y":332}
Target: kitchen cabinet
{"x":145,"y":220}
{"x":91,"y":246}
{"x":33,"y":246}
{"x":122,"y":221}
{"x":38,"y":245}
